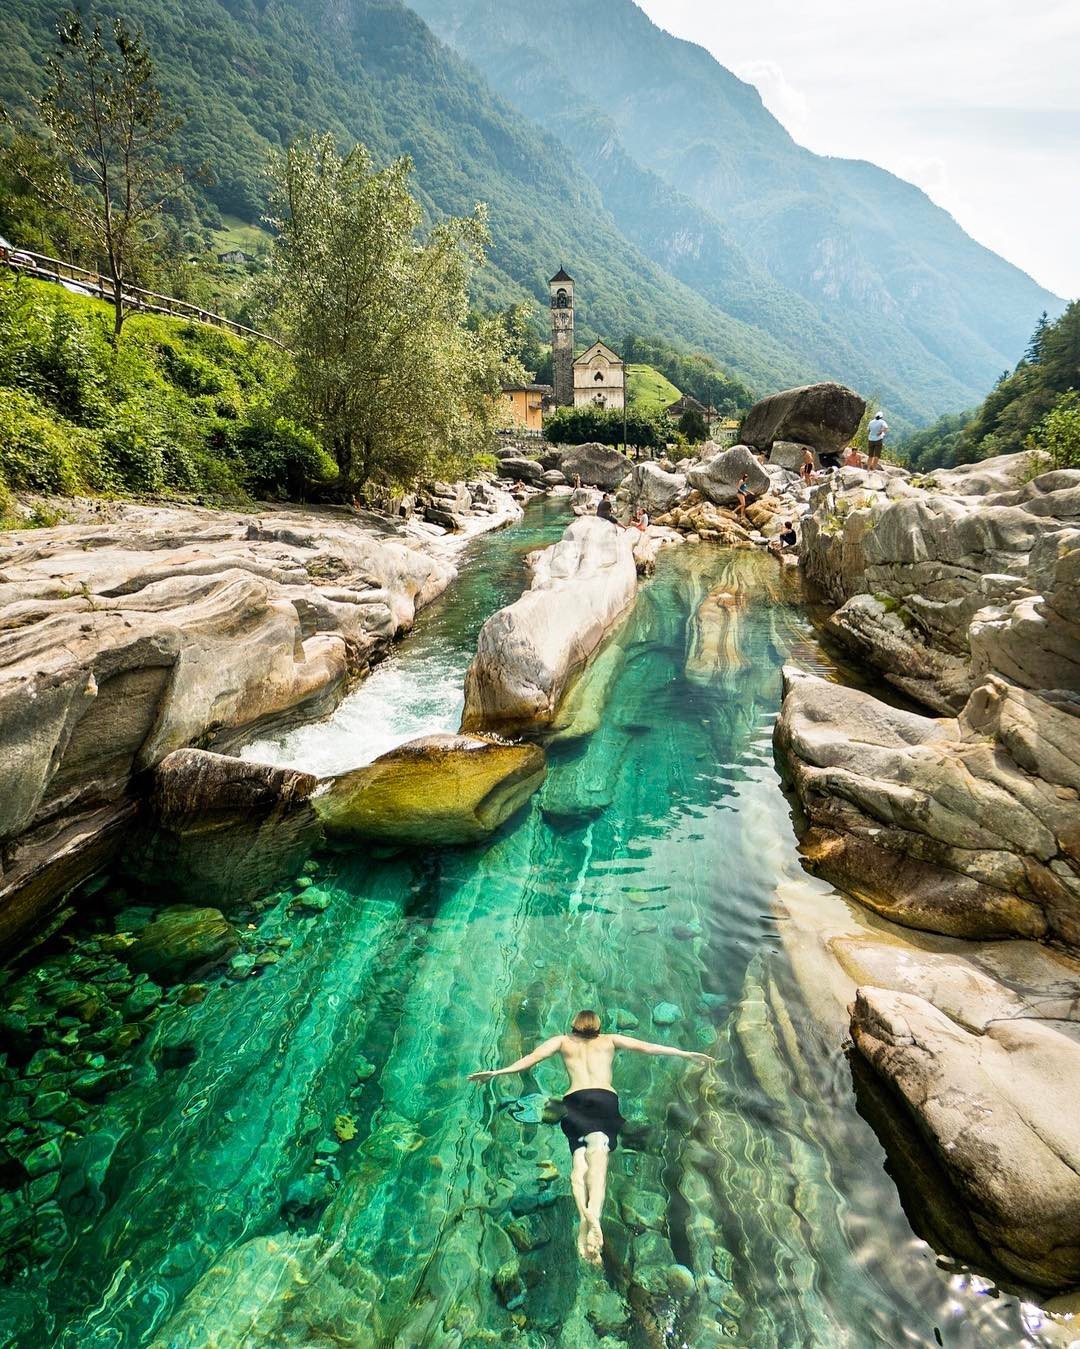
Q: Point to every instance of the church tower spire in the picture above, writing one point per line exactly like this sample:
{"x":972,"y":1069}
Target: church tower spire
{"x":562,"y":336}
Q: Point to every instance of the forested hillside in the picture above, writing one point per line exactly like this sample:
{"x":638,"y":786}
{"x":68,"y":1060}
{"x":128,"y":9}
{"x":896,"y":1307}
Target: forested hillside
{"x":882,"y":287}
{"x":1036,"y":407}
{"x":251,"y":77}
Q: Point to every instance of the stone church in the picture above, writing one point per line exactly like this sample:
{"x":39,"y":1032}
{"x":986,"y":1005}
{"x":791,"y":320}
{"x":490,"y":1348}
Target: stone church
{"x":596,"y":378}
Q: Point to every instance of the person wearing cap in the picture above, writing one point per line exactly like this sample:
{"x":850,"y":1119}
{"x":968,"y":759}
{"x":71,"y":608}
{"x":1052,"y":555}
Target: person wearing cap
{"x":875,"y":440}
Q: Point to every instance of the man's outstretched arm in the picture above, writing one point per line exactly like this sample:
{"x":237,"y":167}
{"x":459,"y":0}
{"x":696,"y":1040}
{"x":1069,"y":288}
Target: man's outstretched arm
{"x":543,"y":1051}
{"x":647,"y":1047}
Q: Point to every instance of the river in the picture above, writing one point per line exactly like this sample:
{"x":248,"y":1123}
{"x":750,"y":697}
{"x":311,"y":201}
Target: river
{"x":297,"y":1159}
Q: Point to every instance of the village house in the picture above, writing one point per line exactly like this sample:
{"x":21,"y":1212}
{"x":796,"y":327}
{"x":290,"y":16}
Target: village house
{"x":523,"y":405}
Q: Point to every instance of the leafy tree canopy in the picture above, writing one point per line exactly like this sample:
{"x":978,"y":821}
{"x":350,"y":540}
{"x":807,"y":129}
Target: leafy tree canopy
{"x":387,"y":370}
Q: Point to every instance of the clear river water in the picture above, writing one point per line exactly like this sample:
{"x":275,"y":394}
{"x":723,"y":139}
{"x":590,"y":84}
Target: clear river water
{"x":297,"y":1159}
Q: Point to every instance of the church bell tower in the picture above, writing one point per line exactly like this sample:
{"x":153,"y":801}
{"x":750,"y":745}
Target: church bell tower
{"x":562,"y":337}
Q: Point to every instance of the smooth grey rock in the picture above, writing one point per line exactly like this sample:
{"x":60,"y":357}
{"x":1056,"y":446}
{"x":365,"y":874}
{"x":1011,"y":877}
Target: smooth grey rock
{"x":528,"y":652}
{"x":825,"y":416}
{"x":596,"y":466}
{"x":522,"y":470}
{"x":717,"y":478}
{"x":966,"y":826}
{"x":655,"y":490}
{"x":181,"y":941}
{"x":997,"y":1111}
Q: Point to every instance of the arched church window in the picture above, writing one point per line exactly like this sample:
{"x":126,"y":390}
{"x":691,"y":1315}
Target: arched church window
{"x":599,"y":377}
{"x":562,"y":300}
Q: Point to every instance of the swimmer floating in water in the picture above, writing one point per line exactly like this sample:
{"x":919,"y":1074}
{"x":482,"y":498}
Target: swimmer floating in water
{"x":592,"y":1120}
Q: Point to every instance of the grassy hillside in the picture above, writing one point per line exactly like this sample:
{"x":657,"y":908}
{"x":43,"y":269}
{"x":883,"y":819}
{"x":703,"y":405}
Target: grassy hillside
{"x":250,"y":77}
{"x":876,"y":284}
{"x":648,"y":389}
{"x":177,"y":408}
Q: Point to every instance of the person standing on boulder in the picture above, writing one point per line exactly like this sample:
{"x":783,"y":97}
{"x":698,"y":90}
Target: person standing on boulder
{"x":875,"y":440}
{"x":592,"y":1119}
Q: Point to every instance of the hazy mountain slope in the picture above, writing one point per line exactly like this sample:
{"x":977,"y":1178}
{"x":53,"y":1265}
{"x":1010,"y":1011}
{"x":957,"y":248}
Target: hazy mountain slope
{"x":890,"y":284}
{"x":252,"y":75}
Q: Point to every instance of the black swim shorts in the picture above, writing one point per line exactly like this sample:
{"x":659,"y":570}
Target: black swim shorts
{"x":592,"y":1111}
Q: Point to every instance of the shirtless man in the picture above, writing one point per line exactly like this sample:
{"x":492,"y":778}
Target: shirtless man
{"x":592,"y":1120}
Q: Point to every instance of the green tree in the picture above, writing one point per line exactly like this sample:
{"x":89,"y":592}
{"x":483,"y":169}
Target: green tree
{"x":692,"y":426}
{"x":109,"y":130}
{"x":388,"y":372}
{"x":1058,"y":434}
{"x":582,"y":425}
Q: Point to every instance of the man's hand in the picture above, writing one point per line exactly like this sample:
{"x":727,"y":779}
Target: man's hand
{"x":481,"y":1077}
{"x":702,"y":1058}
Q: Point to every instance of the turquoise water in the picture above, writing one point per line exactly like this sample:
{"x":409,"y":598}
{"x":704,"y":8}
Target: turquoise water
{"x":207,"y":1200}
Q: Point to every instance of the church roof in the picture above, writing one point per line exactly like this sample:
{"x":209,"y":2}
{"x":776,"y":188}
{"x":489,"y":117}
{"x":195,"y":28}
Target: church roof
{"x":561,"y":275}
{"x":602,"y":347}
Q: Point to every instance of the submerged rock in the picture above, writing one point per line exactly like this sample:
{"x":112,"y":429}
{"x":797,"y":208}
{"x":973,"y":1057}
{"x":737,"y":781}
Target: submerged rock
{"x":436,"y":790}
{"x":181,"y":941}
{"x":223,"y":826}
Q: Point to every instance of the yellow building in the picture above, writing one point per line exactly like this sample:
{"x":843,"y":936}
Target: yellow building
{"x":523,"y":405}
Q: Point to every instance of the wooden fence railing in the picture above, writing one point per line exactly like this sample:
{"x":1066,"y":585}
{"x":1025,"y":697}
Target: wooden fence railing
{"x":136,"y":299}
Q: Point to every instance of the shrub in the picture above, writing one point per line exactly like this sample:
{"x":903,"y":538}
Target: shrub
{"x":578,"y":426}
{"x":278,"y":456}
{"x":37,"y":454}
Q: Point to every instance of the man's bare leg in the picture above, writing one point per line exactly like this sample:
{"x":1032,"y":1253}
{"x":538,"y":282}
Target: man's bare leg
{"x":596,"y":1164}
{"x":577,"y":1185}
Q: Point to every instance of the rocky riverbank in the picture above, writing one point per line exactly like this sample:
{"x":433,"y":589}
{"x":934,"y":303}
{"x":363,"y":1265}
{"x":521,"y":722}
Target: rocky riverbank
{"x":137,"y":630}
{"x":963,"y":591}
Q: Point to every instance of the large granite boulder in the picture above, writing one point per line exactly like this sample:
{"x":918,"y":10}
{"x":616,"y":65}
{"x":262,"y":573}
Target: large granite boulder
{"x":718,"y":477}
{"x":967,"y":826}
{"x":655,"y":490}
{"x":223,"y":826}
{"x":790,"y":455}
{"x":146,"y":629}
{"x":518,"y":469}
{"x":528,"y":653}
{"x":824,"y":416}
{"x":439,"y":789}
{"x":996,"y":1110}
{"x":596,"y":466}
{"x":936,"y":586}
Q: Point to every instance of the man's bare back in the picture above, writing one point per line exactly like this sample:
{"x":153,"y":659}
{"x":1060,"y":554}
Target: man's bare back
{"x":592,"y":1121}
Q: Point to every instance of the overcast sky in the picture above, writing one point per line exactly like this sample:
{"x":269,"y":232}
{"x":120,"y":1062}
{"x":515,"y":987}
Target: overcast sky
{"x":976,"y":101}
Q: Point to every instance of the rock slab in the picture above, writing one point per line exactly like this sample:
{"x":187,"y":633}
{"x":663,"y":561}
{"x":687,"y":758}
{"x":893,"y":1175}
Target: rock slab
{"x":528,"y":652}
{"x":439,"y":789}
{"x":997,"y":1111}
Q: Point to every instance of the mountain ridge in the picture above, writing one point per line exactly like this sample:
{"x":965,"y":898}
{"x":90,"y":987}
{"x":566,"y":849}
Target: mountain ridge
{"x":838,"y":235}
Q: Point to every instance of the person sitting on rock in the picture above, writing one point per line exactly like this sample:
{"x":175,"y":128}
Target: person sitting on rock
{"x":744,"y":495}
{"x":786,"y":540}
{"x":852,"y":458}
{"x":605,"y":510}
{"x":641,"y":520}
{"x":592,"y":1120}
